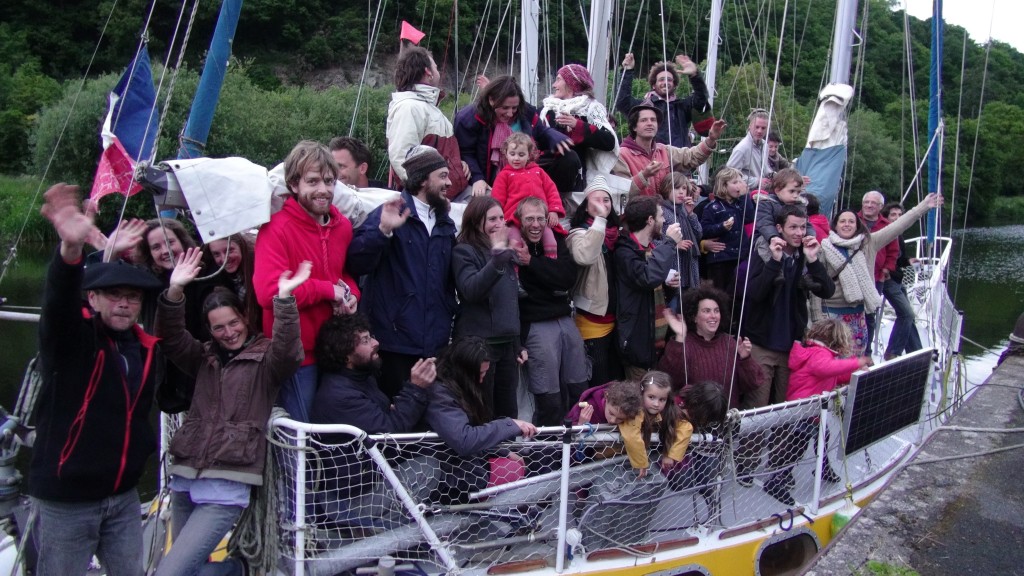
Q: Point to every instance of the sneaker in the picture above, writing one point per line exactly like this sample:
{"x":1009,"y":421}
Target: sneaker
{"x":778,"y":490}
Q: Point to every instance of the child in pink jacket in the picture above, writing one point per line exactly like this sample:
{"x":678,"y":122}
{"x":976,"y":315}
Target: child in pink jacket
{"x":816,"y":366}
{"x":522,"y":178}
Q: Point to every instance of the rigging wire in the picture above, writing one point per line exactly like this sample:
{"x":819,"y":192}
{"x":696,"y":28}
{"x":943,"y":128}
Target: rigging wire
{"x":974,"y":158}
{"x":750,"y":249}
{"x":373,"y":37}
{"x":858,"y":79}
{"x":956,"y":144}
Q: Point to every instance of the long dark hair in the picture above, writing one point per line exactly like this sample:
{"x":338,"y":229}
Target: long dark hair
{"x":172,"y":227}
{"x":670,"y":414}
{"x":706,"y":403}
{"x":862,"y":228}
{"x":498,"y":89}
{"x":458,"y":370}
{"x":473,"y":219}
{"x":245,"y":242}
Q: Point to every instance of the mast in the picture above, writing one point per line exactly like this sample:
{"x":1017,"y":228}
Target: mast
{"x":598,"y":49}
{"x":842,"y":42}
{"x":935,"y":113}
{"x":528,"y":61}
{"x":197,"y":128}
{"x":711,"y":73}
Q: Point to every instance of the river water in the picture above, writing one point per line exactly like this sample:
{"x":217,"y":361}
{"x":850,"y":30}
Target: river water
{"x":986,"y":280}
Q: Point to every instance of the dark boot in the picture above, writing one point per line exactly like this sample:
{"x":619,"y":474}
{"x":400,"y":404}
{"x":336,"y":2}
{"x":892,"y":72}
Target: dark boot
{"x":828,"y":474}
{"x":777,"y":486}
{"x":549,"y":410}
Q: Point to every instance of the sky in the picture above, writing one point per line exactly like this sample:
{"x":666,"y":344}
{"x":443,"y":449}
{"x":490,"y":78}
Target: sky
{"x":999,"y":19}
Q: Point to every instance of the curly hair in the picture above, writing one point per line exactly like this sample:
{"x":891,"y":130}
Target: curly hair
{"x":658,"y":68}
{"x":337,"y":339}
{"x":624,"y":395}
{"x":691,"y":300}
{"x":833,"y":333}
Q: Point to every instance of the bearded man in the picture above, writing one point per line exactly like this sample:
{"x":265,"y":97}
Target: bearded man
{"x":405,"y":249}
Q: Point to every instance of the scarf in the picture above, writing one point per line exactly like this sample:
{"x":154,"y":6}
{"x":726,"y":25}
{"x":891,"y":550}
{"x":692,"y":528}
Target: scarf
{"x":857,"y":281}
{"x":583,"y":106}
{"x":500,"y":133}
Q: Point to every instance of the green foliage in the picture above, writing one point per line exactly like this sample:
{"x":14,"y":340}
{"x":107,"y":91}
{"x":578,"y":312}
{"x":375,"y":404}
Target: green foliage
{"x":876,"y":568}
{"x":20,"y":199}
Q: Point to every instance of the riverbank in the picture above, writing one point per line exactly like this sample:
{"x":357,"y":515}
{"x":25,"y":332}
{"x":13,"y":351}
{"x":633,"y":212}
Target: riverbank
{"x":948,"y":517}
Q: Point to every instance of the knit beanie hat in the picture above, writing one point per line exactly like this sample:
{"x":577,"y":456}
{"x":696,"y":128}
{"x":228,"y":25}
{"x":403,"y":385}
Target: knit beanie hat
{"x":419,"y":163}
{"x":598,"y":183}
{"x":577,"y":78}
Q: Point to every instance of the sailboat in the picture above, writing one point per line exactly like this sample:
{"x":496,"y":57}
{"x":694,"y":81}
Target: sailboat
{"x":343,"y":501}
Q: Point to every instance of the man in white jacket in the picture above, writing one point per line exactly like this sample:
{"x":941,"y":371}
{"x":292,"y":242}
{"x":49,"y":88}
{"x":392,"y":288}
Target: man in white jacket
{"x":414,"y":118}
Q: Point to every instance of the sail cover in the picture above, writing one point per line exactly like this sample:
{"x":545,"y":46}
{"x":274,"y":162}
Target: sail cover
{"x":824,"y":156}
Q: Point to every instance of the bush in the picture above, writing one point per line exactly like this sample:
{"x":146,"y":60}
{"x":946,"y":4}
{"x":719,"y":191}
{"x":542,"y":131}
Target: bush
{"x":20,"y":199}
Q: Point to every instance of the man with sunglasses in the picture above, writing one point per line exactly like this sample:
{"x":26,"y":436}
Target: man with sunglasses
{"x":99,"y":372}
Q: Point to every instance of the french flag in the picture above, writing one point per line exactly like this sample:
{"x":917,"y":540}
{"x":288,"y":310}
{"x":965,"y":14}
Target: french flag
{"x":129,"y":131}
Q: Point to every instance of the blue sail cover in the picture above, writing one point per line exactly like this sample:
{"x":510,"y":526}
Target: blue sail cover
{"x":824,"y":156}
{"x":825,"y":168}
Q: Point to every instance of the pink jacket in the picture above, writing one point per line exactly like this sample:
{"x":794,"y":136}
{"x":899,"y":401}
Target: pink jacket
{"x":512,"y":186}
{"x":814,"y":369}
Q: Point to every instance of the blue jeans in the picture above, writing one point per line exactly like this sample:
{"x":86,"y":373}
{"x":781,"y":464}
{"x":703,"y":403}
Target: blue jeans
{"x":67,"y":534}
{"x":196,"y":530}
{"x":904,"y":336}
{"x":297,"y":393}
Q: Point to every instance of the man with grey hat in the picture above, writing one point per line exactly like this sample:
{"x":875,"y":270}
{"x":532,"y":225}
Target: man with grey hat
{"x":404,"y":249}
{"x":100,"y":372}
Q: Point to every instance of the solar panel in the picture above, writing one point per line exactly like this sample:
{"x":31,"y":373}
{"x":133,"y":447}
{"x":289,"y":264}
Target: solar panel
{"x":886,"y":399}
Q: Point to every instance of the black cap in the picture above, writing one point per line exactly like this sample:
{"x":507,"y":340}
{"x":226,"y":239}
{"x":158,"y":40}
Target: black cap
{"x":119,"y":273}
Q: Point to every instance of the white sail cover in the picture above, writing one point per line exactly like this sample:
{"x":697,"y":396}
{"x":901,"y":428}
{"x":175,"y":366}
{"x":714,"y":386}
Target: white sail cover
{"x":225,"y":195}
{"x":824,"y":156}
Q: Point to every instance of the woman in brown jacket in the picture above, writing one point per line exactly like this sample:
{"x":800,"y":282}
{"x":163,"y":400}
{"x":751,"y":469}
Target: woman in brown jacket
{"x":218,"y":453}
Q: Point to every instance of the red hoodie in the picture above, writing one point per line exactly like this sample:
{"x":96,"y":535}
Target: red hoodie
{"x":291,"y":237}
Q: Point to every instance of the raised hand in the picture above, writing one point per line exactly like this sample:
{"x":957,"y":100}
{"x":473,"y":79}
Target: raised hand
{"x":674,"y":232}
{"x":499,"y":238}
{"x":393,"y":214}
{"x":423,"y":372}
{"x":522,"y":252}
{"x":482,"y":81}
{"x":628,"y":61}
{"x":288,"y":281}
{"x":126,"y":236}
{"x":933,"y":200}
{"x":686,"y":66}
{"x":717,"y":129}
{"x":675,"y":323}
{"x":651,"y":169}
{"x":187,"y":267}
{"x":62,"y":207}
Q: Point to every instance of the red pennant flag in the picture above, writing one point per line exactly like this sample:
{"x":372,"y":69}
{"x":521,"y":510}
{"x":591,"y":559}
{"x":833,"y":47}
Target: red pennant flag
{"x":410,"y":33}
{"x":114,"y":173}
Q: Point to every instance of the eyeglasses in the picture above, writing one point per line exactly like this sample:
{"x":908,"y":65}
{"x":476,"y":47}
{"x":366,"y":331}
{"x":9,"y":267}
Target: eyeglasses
{"x":534,"y":219}
{"x":116,"y":296}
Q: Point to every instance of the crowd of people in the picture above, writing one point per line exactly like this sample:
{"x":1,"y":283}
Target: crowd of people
{"x":657,"y":316}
